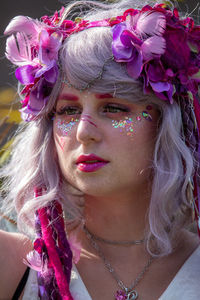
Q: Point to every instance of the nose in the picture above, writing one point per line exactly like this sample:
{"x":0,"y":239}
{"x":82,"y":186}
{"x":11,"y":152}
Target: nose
{"x":88,"y":131}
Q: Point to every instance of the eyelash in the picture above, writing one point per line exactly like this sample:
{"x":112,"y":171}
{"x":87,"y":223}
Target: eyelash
{"x":66,"y":109}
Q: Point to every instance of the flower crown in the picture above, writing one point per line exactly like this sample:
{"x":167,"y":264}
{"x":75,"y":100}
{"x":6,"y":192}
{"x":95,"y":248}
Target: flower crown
{"x":158,"y":48}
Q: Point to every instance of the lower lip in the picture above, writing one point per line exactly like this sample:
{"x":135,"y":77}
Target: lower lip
{"x":86,"y":167}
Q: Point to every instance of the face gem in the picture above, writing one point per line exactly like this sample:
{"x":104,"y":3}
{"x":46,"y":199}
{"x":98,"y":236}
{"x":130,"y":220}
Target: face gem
{"x":149,"y":107}
{"x":147,"y":116}
{"x":66,"y":127}
{"x":139,"y":118}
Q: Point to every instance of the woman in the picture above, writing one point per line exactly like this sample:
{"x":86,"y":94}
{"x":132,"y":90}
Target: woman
{"x":108,"y":166}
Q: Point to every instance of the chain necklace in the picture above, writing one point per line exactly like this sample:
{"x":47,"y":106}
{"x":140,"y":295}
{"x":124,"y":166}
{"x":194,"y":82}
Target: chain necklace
{"x":116,"y":243}
{"x":125,"y":293}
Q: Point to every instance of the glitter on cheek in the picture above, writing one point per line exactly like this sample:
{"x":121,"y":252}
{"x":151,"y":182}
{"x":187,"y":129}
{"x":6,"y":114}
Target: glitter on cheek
{"x":127,"y":124}
{"x":66,"y":127}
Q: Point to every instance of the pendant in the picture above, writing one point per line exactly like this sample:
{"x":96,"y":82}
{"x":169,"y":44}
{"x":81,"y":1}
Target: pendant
{"x":126,"y":295}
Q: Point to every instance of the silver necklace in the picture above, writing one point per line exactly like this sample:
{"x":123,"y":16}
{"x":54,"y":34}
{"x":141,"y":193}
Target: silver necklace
{"x":125,"y":293}
{"x":116,"y":243}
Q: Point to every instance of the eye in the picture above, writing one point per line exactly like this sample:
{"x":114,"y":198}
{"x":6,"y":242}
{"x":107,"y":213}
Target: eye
{"x":115,"y":108}
{"x":69,"y":110}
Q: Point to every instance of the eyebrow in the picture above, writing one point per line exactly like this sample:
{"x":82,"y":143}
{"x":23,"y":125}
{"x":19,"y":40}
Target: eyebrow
{"x":67,"y":96}
{"x":72,"y":97}
{"x":103,"y":96}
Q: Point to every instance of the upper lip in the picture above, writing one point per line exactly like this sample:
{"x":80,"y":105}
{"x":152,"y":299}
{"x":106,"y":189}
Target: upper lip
{"x":90,"y":157}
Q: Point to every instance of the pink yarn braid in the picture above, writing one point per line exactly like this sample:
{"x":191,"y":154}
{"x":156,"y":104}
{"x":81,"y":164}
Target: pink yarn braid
{"x":52,"y":253}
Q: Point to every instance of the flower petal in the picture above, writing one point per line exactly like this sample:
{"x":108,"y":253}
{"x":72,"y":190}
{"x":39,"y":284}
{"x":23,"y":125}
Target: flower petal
{"x":18,"y":50}
{"x":177,"y":54}
{"x":151,"y":23}
{"x":44,"y":69}
{"x":52,"y":74}
{"x":25,"y":74}
{"x":131,"y":21}
{"x":49,"y":46}
{"x":153,"y":47}
{"x":120,"y":52}
{"x":128,"y":39}
{"x":134,"y":67}
{"x":22,"y":24}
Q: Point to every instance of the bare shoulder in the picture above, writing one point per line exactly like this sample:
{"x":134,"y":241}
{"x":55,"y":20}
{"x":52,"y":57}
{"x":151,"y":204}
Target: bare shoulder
{"x":13,"y":249}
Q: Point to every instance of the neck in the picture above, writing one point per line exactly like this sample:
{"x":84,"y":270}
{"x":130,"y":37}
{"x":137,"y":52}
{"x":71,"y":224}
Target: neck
{"x":118,"y":217}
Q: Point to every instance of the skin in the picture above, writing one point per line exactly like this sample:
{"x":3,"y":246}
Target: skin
{"x":116,"y":196}
{"x":95,"y":134}
{"x":13,"y":249}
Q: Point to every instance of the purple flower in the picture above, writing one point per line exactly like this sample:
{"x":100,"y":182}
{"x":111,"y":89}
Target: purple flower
{"x":26,"y":74}
{"x":139,"y":40}
{"x":158,"y":79}
{"x":37,"y":100}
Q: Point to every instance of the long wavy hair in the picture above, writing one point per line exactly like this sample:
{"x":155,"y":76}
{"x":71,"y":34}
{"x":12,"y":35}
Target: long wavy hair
{"x":34,"y":160}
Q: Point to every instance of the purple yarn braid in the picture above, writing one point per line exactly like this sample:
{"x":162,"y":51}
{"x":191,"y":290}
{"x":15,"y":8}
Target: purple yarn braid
{"x":64,"y":250}
{"x":48,"y":289}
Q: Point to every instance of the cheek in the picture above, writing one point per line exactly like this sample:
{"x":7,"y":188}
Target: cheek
{"x":63,"y":130}
{"x":129,"y":125}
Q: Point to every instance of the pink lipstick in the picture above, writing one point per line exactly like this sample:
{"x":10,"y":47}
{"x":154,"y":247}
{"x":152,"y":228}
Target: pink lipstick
{"x":90,"y":163}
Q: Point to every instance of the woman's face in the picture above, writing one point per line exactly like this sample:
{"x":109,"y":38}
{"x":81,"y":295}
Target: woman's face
{"x":104,"y":145}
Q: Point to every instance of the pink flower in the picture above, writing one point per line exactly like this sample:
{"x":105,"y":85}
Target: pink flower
{"x":34,"y":261}
{"x":49,"y":46}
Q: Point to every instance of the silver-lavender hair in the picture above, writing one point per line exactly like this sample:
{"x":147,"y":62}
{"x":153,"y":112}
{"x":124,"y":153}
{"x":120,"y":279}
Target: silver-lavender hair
{"x":34,"y":160}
